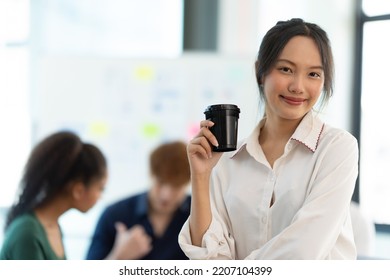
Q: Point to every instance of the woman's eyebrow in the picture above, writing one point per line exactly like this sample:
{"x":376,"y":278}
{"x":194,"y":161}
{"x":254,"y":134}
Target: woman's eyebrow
{"x":294,"y":64}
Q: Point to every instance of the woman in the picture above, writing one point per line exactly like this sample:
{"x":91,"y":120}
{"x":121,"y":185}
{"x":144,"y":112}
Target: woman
{"x":285,"y":193}
{"x":61,"y":173}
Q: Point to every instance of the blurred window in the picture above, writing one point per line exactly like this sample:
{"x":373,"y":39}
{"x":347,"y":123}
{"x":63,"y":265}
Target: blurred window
{"x":376,"y":7}
{"x":109,"y":27}
{"x":375,"y":101}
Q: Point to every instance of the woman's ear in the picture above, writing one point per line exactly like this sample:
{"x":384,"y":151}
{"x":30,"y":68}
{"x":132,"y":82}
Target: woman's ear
{"x":77,"y":190}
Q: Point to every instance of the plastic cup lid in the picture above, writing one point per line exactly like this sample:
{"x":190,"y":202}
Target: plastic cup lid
{"x":218,"y":107}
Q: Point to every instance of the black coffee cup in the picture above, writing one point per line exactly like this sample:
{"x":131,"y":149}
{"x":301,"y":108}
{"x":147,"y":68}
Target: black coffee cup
{"x":225,"y":128}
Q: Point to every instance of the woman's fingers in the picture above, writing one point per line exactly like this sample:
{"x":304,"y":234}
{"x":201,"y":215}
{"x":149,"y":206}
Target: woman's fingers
{"x":209,"y":136}
{"x":206,"y":123}
{"x":204,"y":130}
{"x":202,"y":146}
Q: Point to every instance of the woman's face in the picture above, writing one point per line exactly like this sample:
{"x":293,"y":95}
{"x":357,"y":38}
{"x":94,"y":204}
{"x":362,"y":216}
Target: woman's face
{"x":87,"y":196}
{"x":295,"y":82}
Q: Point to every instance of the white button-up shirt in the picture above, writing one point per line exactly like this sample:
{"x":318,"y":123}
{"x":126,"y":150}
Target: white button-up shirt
{"x":299,"y":209}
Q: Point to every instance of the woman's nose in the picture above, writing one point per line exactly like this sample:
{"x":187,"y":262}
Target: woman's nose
{"x":296,"y":85}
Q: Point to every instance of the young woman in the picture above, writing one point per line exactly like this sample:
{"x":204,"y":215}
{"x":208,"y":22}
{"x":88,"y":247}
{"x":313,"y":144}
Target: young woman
{"x":285,"y":193}
{"x":61,"y":173}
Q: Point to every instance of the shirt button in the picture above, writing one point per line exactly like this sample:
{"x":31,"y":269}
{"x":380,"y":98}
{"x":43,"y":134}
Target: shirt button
{"x":221,"y":242}
{"x":264,"y":220}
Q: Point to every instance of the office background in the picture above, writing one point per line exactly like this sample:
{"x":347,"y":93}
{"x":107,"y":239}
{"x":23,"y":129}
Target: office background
{"x":128,"y":75}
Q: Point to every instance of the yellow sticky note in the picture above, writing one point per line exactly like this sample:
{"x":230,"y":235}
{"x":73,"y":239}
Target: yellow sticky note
{"x":151,"y":130}
{"x":99,"y":129}
{"x":144,"y":73}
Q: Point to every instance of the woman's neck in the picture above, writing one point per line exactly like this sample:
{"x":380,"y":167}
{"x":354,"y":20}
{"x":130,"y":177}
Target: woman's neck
{"x":48,"y":215}
{"x":50,"y":212}
{"x":277,"y":129}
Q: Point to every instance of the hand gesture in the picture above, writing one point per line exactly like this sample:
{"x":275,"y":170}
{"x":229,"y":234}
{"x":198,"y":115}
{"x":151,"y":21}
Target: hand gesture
{"x":130,"y":244}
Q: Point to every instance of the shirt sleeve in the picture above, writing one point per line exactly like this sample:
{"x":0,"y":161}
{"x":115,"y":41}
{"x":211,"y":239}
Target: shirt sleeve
{"x":217,"y":242}
{"x":322,"y":226}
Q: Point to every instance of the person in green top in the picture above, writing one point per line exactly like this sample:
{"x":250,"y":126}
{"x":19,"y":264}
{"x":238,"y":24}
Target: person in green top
{"x":62,"y":173}
{"x":27,"y":240}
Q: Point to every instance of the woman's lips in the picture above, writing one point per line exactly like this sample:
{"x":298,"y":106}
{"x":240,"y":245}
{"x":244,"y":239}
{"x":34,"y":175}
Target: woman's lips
{"x":293,"y":100}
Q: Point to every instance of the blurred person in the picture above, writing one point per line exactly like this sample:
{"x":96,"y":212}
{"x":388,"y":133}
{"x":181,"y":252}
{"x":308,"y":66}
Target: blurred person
{"x":61,"y":173}
{"x":285,"y":192}
{"x":146,"y":225}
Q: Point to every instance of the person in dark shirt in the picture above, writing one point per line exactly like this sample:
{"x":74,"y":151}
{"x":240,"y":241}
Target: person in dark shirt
{"x":146,"y":225}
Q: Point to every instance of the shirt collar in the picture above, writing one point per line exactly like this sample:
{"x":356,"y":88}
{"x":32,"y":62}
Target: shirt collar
{"x":307,"y":134}
{"x":141,"y":208}
{"x":309,"y":131}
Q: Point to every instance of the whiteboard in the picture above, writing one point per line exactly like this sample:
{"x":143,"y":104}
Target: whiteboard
{"x":129,"y":106}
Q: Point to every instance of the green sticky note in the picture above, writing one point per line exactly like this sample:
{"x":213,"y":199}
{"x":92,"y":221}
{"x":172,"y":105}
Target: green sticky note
{"x":151,"y":130}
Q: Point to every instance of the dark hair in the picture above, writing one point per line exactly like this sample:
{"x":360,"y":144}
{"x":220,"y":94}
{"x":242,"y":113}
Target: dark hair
{"x":276,"y":39}
{"x":56,"y":161}
{"x":169,"y":163}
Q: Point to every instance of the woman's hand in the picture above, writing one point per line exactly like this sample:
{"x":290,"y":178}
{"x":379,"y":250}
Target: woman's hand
{"x":200,"y":155}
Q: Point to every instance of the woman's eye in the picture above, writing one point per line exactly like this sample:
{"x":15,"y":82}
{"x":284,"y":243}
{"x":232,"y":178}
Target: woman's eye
{"x":314,"y":75}
{"x":285,"y":69}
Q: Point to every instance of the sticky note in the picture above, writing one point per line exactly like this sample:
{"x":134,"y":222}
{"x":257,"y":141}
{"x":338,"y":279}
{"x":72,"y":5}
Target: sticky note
{"x":192,"y":130}
{"x":99,"y":129}
{"x":151,"y":130}
{"x":144,"y":73}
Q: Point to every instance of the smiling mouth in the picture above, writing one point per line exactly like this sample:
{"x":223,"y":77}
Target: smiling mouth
{"x":293,"y":100}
